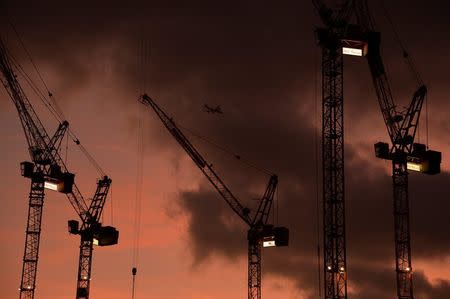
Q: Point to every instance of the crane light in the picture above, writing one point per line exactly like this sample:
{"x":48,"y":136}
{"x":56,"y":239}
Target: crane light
{"x":51,"y":186}
{"x":425,"y":161}
{"x":414,"y":166}
{"x":275,"y":236}
{"x":56,"y":185}
{"x":63,"y":183}
{"x":269,"y":243}
{"x":54,"y":179}
{"x":352,"y":51}
{"x":354,"y":47}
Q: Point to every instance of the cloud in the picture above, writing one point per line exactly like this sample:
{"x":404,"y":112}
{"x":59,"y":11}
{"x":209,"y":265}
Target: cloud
{"x":257,"y":61}
{"x":369,"y":215}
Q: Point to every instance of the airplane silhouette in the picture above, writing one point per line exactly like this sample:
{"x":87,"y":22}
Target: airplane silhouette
{"x":209,"y":109}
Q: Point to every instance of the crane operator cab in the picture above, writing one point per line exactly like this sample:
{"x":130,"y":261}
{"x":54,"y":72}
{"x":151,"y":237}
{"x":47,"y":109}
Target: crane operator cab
{"x":420,"y":159}
{"x":101,"y":235}
{"x":106,"y":236}
{"x":275,"y":236}
{"x":54,"y":179}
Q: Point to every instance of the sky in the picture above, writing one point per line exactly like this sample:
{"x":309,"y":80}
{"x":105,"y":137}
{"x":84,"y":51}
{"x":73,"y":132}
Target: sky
{"x":261,"y":63}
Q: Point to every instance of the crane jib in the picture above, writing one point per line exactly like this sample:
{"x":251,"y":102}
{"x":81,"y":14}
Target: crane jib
{"x":49,"y":171}
{"x":209,"y":172}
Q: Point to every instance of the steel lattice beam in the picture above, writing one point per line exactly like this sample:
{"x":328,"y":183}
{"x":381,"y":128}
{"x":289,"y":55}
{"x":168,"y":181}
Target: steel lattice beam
{"x":335,"y":268}
{"x":254,"y":265}
{"x":258,"y":225}
{"x":84,"y":268}
{"x":402,"y":232}
{"x":32,"y":238}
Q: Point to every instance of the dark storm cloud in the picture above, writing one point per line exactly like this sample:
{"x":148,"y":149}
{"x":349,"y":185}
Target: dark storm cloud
{"x":218,"y":43}
{"x":369,"y":281}
{"x":369,"y":229}
{"x":440,"y":289}
{"x":207,"y":227}
{"x":369,"y":220}
{"x":257,"y":60}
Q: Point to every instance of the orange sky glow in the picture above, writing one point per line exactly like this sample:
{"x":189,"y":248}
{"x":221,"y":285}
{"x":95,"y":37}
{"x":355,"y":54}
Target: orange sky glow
{"x":270,"y":115}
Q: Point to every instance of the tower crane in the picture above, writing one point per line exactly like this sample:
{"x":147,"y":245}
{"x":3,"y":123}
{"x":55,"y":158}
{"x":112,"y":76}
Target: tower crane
{"x":260,"y":233}
{"x":361,"y":39}
{"x":405,"y":154}
{"x":334,"y":241}
{"x":48,"y":171}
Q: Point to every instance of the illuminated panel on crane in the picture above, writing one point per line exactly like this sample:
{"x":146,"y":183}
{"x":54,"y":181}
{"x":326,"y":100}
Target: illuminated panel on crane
{"x":420,"y":160}
{"x":56,"y":181}
{"x":275,"y":236}
{"x":354,"y":47}
{"x":269,"y":243}
{"x":414,"y":166}
{"x":51,"y":186}
{"x":352,"y":51}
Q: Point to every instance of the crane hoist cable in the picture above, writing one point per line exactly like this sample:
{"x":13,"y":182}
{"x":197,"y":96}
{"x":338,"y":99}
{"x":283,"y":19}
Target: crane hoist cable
{"x":112,"y":205}
{"x":235,"y":156}
{"x":138,"y":191}
{"x":54,"y":106}
{"x":409,"y":61}
{"x":34,"y":87}
{"x":426,"y":118}
{"x":225,"y":150}
{"x":143,"y":62}
{"x":49,"y":101}
{"x":316,"y":165}
{"x":133,"y":273}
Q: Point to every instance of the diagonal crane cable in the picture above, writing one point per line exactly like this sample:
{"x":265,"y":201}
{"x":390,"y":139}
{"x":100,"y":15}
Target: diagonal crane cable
{"x":409,"y":60}
{"x":225,"y":150}
{"x":50,"y":103}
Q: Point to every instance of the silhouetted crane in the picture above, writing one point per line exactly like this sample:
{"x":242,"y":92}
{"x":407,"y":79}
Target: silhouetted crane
{"x":334,"y":241}
{"x":48,"y":171}
{"x":260,"y":233}
{"x":361,"y":39}
{"x":404,"y":153}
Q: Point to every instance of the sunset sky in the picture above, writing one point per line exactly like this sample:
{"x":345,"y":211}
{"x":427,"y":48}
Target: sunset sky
{"x":259,"y":60}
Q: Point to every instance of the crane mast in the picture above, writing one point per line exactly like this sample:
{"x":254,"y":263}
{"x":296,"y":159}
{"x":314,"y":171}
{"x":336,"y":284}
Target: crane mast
{"x":260,"y":233}
{"x":403,"y":152}
{"x":402,"y":143}
{"x":49,"y":171}
{"x":92,"y":233}
{"x":334,"y":240}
